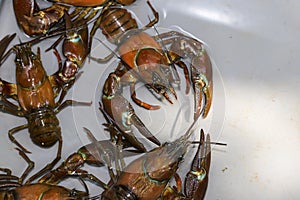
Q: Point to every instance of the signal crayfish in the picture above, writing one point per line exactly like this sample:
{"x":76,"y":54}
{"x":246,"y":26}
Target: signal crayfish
{"x":66,"y":18}
{"x":150,"y":60}
{"x":34,"y":92}
{"x":148,"y":177}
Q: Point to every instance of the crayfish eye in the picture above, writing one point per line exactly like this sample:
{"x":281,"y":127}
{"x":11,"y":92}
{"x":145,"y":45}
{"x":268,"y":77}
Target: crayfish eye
{"x":32,"y":56}
{"x":17,"y":60}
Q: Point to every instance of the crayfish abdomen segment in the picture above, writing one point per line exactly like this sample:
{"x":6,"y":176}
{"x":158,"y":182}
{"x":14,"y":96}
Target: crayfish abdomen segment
{"x":115,"y":22}
{"x":44,"y":127}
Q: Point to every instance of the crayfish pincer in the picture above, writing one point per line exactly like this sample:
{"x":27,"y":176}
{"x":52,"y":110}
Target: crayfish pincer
{"x":34,"y":92}
{"x":34,"y":21}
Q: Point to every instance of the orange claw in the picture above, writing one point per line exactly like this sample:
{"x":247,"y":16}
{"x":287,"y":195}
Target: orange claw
{"x":121,"y":112}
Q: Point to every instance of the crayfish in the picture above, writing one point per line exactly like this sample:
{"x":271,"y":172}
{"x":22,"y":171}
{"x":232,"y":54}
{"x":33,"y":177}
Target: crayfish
{"x":148,"y":176}
{"x":151,"y":60}
{"x":34,"y":92}
{"x":74,"y":48}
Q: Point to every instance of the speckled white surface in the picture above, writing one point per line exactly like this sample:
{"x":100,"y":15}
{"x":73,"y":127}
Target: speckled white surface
{"x":255,"y":47}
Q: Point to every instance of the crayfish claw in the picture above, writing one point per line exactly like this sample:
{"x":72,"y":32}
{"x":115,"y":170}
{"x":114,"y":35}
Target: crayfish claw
{"x":196,"y":180}
{"x":130,"y":138}
{"x":201,"y":71}
{"x":197,"y":99}
{"x":143,"y":130}
{"x":202,"y":90}
{"x":208,"y":100}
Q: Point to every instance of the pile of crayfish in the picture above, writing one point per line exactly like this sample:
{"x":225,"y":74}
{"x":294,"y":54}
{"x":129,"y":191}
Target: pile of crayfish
{"x":151,"y":60}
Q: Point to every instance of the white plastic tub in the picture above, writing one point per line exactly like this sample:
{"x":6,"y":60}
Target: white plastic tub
{"x":254,"y":46}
